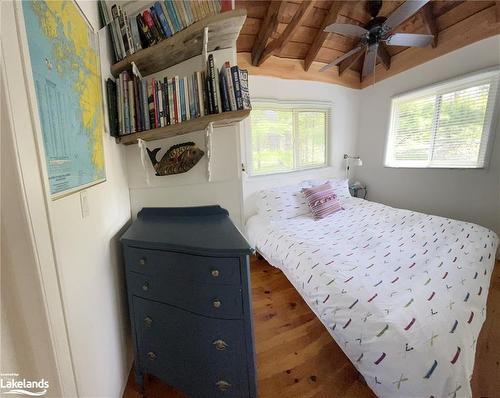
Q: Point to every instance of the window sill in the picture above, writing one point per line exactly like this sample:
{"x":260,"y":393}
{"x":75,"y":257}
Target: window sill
{"x":287,"y":172}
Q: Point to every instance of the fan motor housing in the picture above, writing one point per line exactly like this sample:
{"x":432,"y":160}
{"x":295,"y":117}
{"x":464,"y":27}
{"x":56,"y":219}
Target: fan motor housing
{"x":375,"y":30}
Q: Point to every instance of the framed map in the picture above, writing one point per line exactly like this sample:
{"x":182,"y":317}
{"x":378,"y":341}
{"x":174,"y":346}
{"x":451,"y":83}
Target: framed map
{"x":64,"y":57}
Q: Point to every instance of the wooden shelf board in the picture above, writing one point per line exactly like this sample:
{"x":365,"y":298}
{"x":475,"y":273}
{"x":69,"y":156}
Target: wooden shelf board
{"x":223,"y":30}
{"x":186,"y":127}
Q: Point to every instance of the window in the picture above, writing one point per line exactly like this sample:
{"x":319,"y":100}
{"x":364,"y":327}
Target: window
{"x":286,"y":137}
{"x":446,"y":125}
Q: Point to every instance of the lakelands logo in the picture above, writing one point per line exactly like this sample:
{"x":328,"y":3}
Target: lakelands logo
{"x":10,"y":383}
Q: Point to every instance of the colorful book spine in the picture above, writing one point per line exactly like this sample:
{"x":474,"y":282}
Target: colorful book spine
{"x":178,"y":99}
{"x":162,"y":19}
{"x":179,"y":6}
{"x":171,"y":102}
{"x":173,"y":15}
{"x":245,"y":92}
{"x":136,"y":37}
{"x":224,"y":95}
{"x":182,"y":99}
{"x":151,"y":104}
{"x":145,"y":104}
{"x":200,"y":89}
{"x":137,"y":103}
{"x":235,"y":72}
{"x":148,"y":20}
{"x":129,"y":33}
{"x":170,"y":24}
{"x":230,"y":86}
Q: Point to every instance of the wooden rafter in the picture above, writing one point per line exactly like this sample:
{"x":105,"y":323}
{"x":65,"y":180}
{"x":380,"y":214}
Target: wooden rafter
{"x":348,"y":62}
{"x":498,"y":10}
{"x":383,"y":55}
{"x":269,"y":25}
{"x":450,"y":5}
{"x":321,"y":36}
{"x":279,"y":43}
{"x":430,"y":23}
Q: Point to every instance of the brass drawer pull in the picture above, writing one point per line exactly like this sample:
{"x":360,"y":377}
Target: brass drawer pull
{"x":148,"y":322}
{"x":217,"y":303}
{"x":223,"y":385}
{"x":151,"y":355}
{"x":220,"y":345}
{"x":142,"y":261}
{"x":215,"y":273}
{"x":145,"y":287}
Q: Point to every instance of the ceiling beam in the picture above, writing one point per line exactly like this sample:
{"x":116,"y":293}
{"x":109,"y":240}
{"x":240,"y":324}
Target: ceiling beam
{"x":449,"y":5}
{"x":430,"y":23}
{"x":268,"y":26}
{"x":384,"y":55}
{"x":348,"y":62}
{"x":280,"y":42}
{"x":321,"y":36}
{"x":498,"y":11}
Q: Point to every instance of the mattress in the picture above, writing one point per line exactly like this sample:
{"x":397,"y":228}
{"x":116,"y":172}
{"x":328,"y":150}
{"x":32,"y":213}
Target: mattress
{"x":401,"y":292}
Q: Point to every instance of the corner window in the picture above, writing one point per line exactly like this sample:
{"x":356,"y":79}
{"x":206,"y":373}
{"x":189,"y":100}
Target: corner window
{"x":447,"y":125}
{"x":286,"y":137}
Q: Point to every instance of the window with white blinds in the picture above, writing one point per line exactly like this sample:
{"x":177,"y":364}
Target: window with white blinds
{"x":446,"y":125}
{"x":286,"y":137}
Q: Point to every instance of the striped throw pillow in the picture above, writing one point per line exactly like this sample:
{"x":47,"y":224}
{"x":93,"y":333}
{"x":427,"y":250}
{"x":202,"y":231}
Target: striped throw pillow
{"x":322,"y":200}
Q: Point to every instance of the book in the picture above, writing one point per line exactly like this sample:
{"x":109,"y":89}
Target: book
{"x":171,"y":102}
{"x":120,"y":103}
{"x":166,"y":105}
{"x":137,"y":103}
{"x":230,"y":86}
{"x":200,"y":90}
{"x":147,"y":38}
{"x":148,"y":20}
{"x":226,"y":5}
{"x":173,"y":15}
{"x":212,"y":86}
{"x":224,"y":95}
{"x":157,"y":23}
{"x":123,"y":32}
{"x":179,"y":6}
{"x":151,"y":104}
{"x":195,"y":95}
{"x":189,"y":12}
{"x":209,"y":96}
{"x":182,"y":100}
{"x":128,"y":31}
{"x":131,"y":105}
{"x":192,"y":106}
{"x":162,"y":19}
{"x":159,"y":104}
{"x":112,"y":107}
{"x":170,"y":23}
{"x":235,"y":72}
{"x":119,"y":38}
{"x":126,"y":112}
{"x":177,"y":103}
{"x":245,"y":93}
{"x":145,"y":104}
{"x":136,"y":37}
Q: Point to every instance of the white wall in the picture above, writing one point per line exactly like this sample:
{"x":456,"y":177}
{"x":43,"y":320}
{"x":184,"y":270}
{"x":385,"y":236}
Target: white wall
{"x":191,"y":188}
{"x":342,"y":135}
{"x":87,"y":253}
{"x":470,"y":195}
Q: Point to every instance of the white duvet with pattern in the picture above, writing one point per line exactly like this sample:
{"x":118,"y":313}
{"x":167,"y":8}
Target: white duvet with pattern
{"x":402,"y":293}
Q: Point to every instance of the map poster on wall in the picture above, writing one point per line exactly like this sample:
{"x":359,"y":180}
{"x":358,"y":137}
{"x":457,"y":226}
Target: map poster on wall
{"x":64,"y":55}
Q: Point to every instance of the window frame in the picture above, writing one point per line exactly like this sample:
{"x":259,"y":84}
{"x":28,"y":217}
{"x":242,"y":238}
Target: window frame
{"x":439,"y":89}
{"x":295,"y":106}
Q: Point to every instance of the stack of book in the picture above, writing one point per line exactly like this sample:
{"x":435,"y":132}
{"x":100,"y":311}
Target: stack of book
{"x":130,"y":33}
{"x":137,"y":104}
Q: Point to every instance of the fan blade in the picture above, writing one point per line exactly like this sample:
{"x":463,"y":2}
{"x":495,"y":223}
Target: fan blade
{"x":402,"y":13}
{"x":346,"y":29}
{"x":409,"y":40}
{"x":370,"y":59}
{"x":341,"y":58}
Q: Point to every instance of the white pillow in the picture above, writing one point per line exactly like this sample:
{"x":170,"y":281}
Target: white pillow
{"x":340,"y":186}
{"x":283,"y":202}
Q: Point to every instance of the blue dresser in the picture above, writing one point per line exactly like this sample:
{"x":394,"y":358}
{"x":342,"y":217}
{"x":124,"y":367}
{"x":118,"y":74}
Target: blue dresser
{"x":189,"y":296}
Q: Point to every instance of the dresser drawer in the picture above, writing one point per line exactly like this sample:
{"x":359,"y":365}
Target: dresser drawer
{"x":184,"y":267}
{"x":209,"y":300}
{"x":202,"y":356}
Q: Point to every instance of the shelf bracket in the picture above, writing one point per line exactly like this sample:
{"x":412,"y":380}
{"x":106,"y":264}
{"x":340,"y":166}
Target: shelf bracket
{"x":204,"y":50}
{"x":208,"y":143}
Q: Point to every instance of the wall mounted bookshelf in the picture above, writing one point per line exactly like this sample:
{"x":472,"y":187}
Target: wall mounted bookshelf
{"x":218,"y":119}
{"x":223,"y":30}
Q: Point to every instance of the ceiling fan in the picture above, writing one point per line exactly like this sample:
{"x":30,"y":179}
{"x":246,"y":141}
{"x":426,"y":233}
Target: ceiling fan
{"x":378,"y":30}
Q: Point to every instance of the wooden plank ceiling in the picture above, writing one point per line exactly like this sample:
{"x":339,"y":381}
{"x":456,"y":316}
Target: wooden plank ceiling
{"x":286,"y":39}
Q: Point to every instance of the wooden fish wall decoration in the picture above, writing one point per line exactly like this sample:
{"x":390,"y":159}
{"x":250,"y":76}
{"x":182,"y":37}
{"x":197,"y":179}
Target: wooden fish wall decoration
{"x":178,"y":159}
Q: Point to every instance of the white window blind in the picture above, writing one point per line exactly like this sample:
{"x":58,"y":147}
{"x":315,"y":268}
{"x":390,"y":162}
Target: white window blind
{"x":286,"y":137}
{"x":445,"y":125}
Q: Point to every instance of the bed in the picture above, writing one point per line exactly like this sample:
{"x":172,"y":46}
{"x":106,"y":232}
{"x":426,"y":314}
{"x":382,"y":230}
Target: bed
{"x":401,"y":292}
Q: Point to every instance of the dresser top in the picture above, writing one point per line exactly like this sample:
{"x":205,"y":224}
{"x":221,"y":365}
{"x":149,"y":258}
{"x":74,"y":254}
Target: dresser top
{"x":200,"y":230}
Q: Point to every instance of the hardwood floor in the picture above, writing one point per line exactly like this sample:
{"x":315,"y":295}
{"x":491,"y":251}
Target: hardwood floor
{"x":297,"y":357}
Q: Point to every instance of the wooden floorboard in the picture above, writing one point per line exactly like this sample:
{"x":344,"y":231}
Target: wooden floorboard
{"x":297,"y":357}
